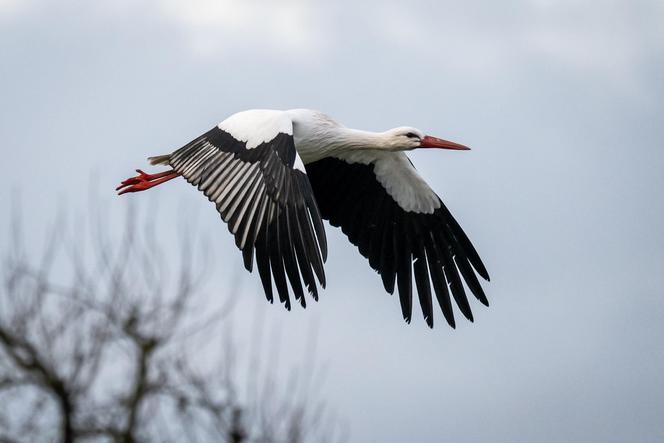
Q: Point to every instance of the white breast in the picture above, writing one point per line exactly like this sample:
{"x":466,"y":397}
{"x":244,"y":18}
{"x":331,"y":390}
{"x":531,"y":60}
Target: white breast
{"x":313,"y":133}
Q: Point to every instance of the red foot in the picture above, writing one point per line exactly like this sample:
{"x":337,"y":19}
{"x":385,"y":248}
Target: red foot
{"x":145,"y":181}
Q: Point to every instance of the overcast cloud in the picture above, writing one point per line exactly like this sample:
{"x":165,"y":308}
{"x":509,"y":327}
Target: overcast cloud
{"x":561,"y":102}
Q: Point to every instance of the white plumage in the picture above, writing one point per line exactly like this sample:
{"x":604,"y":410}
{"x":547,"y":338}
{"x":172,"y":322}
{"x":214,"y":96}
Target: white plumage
{"x":399,"y":178}
{"x":274,"y":175}
{"x":257,"y":126}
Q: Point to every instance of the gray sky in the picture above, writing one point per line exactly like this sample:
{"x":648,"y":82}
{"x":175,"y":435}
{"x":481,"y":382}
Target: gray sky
{"x":561,"y":102}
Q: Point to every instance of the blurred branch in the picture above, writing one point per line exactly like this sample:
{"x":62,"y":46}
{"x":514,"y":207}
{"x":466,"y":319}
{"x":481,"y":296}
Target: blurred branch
{"x":98,"y":341}
{"x":28,"y":360}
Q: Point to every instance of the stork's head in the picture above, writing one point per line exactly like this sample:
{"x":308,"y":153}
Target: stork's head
{"x":406,"y":138}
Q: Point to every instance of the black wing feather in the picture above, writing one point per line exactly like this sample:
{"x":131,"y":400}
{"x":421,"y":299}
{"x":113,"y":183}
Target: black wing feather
{"x":387,"y":255}
{"x":400,"y":245}
{"x":405,"y":271}
{"x":422,"y":276}
{"x":268,"y":205}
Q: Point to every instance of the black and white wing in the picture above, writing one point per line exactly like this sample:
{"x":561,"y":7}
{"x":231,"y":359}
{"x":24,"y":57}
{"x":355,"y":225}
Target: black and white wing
{"x":403,"y":228}
{"x":249,"y":168}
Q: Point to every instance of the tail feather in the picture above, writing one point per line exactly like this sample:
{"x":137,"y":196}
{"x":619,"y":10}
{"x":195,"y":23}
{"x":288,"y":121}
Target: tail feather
{"x":160,"y":160}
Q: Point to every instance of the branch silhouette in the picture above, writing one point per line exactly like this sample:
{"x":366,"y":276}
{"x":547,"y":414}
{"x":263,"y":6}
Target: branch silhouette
{"x":101,"y":340}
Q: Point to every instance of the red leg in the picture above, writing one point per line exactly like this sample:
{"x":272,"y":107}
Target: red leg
{"x":144,"y":181}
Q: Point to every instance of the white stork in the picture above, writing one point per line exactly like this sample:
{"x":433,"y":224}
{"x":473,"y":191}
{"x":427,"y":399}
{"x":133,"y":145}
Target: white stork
{"x":274,"y":175}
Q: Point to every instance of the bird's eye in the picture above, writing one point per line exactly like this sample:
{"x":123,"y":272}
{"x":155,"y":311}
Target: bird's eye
{"x":411,"y":135}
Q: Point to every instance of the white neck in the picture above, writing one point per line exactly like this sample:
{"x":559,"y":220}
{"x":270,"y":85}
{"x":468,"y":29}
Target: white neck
{"x":347,"y":139}
{"x":330,"y":141}
{"x":318,"y":136}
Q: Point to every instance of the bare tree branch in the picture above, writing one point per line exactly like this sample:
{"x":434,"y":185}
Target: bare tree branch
{"x":99,"y":340}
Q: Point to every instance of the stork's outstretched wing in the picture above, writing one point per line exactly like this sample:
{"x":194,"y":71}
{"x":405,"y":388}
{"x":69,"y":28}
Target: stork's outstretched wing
{"x":398,"y":223}
{"x":262,"y":192}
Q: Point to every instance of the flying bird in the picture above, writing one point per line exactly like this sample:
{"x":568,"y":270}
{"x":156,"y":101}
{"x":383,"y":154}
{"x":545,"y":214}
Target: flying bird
{"x":275,"y":175}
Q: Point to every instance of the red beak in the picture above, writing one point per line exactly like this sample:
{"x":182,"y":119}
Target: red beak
{"x":435,"y":142}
